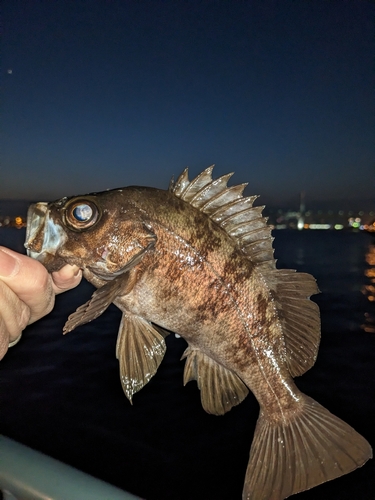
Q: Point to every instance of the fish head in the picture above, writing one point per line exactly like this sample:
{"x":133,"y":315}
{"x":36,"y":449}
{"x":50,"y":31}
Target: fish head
{"x":100,"y":232}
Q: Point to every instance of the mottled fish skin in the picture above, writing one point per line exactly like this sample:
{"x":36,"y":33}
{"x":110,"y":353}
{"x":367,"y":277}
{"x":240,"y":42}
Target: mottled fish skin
{"x":197,"y":260}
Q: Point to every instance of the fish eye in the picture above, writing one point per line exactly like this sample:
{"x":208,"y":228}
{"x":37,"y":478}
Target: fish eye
{"x":81,"y":214}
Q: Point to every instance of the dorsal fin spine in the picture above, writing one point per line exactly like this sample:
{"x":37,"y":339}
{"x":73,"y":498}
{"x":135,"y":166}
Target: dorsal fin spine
{"x":210,"y":190}
{"x":197,"y":184}
{"x":181,"y":184}
{"x":212,"y":205}
{"x":242,"y":216}
{"x":234,"y":207}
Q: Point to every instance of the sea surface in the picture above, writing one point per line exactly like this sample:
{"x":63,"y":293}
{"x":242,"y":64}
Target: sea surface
{"x":62,"y":395}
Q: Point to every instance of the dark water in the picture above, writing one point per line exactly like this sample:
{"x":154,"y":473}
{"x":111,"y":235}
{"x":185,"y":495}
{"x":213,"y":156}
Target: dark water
{"x":62,"y":395}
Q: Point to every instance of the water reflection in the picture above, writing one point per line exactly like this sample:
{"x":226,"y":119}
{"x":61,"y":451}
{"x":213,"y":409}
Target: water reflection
{"x":369,"y":289}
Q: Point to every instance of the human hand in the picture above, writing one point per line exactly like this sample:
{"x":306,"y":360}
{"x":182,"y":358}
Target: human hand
{"x":27,"y":293}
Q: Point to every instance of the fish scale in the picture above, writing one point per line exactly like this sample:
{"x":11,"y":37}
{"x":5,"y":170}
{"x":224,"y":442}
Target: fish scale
{"x":197,"y":260}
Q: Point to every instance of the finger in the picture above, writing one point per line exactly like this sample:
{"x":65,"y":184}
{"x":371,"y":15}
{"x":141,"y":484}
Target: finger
{"x":14,"y":314}
{"x":68,"y":277}
{"x":29,"y":280}
{"x":4,"y":338}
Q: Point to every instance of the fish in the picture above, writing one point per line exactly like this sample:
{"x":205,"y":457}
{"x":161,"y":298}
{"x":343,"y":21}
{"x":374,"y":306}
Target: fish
{"x":197,"y":259}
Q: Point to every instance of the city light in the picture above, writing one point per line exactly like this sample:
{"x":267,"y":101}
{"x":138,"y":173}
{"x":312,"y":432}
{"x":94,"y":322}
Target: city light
{"x":319,"y":226}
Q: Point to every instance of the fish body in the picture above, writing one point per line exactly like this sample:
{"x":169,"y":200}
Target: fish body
{"x":197,"y":260}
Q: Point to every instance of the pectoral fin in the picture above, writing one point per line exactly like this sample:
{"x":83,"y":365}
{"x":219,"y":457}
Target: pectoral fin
{"x":119,"y":283}
{"x":140,"y":349}
{"x":100,"y":300}
{"x":220,"y":388}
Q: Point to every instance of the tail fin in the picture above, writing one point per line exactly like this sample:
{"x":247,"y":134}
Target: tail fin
{"x":306,"y":449}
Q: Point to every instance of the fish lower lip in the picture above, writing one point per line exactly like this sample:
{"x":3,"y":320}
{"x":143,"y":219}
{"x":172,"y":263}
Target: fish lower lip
{"x":36,"y":218}
{"x":40,"y":256}
{"x":43,"y":236}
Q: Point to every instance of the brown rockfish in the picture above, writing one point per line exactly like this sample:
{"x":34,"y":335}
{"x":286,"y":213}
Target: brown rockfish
{"x":197,"y":260}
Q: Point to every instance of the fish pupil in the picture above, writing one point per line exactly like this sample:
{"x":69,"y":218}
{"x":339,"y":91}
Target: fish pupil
{"x":82,"y":213}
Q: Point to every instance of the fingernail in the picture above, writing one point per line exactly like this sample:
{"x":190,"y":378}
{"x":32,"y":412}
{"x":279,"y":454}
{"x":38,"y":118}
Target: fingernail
{"x":9,"y":265}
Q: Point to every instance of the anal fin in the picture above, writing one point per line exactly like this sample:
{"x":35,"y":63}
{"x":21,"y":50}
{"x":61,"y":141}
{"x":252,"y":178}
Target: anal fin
{"x":220,"y":388}
{"x":140,"y":349}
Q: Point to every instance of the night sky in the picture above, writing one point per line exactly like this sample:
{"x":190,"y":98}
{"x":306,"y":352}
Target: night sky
{"x":103,"y":94}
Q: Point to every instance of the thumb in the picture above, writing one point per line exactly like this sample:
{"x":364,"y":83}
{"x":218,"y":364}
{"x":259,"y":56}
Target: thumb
{"x":66,"y":278}
{"x":29,"y":280}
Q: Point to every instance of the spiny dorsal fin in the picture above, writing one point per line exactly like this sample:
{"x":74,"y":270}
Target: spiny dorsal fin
{"x":233,"y":212}
{"x":220,"y":388}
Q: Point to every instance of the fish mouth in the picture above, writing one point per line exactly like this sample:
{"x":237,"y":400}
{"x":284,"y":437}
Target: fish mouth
{"x":43,"y":235}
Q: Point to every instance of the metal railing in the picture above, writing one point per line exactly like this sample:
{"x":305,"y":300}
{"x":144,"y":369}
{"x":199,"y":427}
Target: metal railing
{"x":26,"y":474}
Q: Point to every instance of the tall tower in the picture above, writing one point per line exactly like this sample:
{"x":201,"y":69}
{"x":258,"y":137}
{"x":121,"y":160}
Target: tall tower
{"x":302,"y":208}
